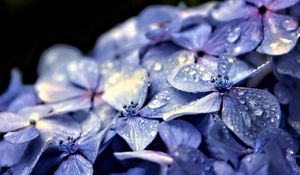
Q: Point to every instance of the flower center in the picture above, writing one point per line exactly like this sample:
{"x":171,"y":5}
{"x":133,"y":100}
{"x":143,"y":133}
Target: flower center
{"x":68,"y":146}
{"x":32,"y":122}
{"x":130,"y":110}
{"x":221,"y":83}
{"x":262,"y":10}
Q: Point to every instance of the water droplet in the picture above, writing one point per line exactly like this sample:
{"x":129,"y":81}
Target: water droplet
{"x":241,"y":92}
{"x":290,"y":24}
{"x":157,"y":67}
{"x":206,"y":77}
{"x":242,"y":101}
{"x":234,"y":35}
{"x":258,"y":112}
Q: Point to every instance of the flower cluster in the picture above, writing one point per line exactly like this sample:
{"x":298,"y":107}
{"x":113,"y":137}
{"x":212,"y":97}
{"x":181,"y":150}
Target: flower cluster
{"x":213,"y":89}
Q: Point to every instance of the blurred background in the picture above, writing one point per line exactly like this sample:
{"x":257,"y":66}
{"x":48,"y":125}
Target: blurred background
{"x":27,"y":27}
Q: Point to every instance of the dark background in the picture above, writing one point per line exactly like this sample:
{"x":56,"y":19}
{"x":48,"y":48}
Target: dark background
{"x":27,"y":27}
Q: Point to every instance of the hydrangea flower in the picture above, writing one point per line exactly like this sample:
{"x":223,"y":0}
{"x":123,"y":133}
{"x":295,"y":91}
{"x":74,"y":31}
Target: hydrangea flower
{"x":211,"y":65}
{"x":257,"y":23}
{"x":241,"y":107}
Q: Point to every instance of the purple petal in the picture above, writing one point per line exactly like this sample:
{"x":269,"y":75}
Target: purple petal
{"x":223,"y":11}
{"x":280,"y":34}
{"x":84,"y":73}
{"x":280,"y":4}
{"x":221,"y":145}
{"x":165,"y":101}
{"x":179,"y":132}
{"x":22,"y":101}
{"x":35,"y":112}
{"x":189,"y":159}
{"x":57,"y":56}
{"x":56,"y":127}
{"x":283,"y":93}
{"x":236,"y":37}
{"x":49,"y":92}
{"x":276,"y":135}
{"x":22,"y":136}
{"x":247,"y":111}
{"x":30,"y":157}
{"x":159,"y":14}
{"x":160,"y":61}
{"x":222,"y":168}
{"x":255,"y":164}
{"x":193,"y":39}
{"x":124,"y":89}
{"x":288,"y":64}
{"x":13,"y":88}
{"x":11,"y":122}
{"x":73,"y":104}
{"x":138,"y":132}
{"x":11,"y":153}
{"x":247,"y":72}
{"x":75,"y":165}
{"x":208,"y":104}
{"x":192,"y":78}
{"x":152,"y":156}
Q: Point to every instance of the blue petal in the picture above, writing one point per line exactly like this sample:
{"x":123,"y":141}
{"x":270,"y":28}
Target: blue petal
{"x":13,"y":88}
{"x":57,"y":56}
{"x":246,"y":72}
{"x":276,"y":135}
{"x":161,"y":60}
{"x":247,"y":111}
{"x":11,"y":122}
{"x":283,"y":93}
{"x":75,"y":165}
{"x":11,"y":153}
{"x":280,"y":34}
{"x":35,"y":112}
{"x":30,"y":157}
{"x":158,"y":157}
{"x":179,"y":132}
{"x":159,"y":14}
{"x":192,"y":78}
{"x":224,"y":10}
{"x":288,"y":64}
{"x":274,"y":5}
{"x":22,"y":136}
{"x":90,"y":143}
{"x":138,"y":132}
{"x":124,"y":89}
{"x":221,"y":144}
{"x":56,"y":127}
{"x":236,"y":37}
{"x":257,"y":164}
{"x":49,"y":92}
{"x":191,"y":160}
{"x":208,"y":104}
{"x":222,"y":168}
{"x":193,"y":39}
{"x":22,"y":101}
{"x":84,"y":73}
{"x":165,"y":101}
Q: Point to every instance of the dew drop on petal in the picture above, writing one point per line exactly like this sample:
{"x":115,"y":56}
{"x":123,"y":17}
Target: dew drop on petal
{"x":157,"y":67}
{"x":290,"y":24}
{"x":258,"y":112}
{"x":234,"y":35}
